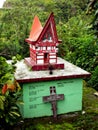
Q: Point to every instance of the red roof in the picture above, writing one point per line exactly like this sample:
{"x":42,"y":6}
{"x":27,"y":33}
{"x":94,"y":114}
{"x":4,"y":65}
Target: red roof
{"x":35,"y":29}
{"x":38,"y":32}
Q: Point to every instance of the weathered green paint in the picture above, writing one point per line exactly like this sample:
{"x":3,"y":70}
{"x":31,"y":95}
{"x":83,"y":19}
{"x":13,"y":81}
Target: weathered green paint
{"x":33,"y":93}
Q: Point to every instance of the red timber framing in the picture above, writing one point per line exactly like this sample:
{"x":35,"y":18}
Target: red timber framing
{"x":43,"y":43}
{"x":33,"y":55}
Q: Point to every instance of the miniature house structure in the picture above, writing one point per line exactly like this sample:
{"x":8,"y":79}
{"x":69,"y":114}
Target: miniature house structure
{"x":46,"y":94}
{"x":43,"y":42}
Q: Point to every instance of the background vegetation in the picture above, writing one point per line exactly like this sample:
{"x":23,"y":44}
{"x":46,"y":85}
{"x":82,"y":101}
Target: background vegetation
{"x":77,"y":27}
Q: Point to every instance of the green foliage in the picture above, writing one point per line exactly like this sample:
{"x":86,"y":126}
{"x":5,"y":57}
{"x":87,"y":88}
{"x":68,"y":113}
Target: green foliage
{"x":93,"y":10}
{"x":90,"y":104}
{"x":51,"y":126}
{"x":13,"y":34}
{"x":63,"y":126}
{"x":9,"y":96}
{"x":79,"y":45}
{"x":2,"y":99}
{"x":94,"y":79}
{"x":87,"y":122}
{"x":6,"y":71}
{"x":9,"y":112}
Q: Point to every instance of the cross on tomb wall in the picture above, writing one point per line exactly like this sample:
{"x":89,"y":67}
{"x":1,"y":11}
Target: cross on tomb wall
{"x":53,"y":98}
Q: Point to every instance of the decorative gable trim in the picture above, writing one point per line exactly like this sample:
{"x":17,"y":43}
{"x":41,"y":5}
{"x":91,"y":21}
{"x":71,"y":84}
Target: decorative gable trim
{"x":49,"y":26}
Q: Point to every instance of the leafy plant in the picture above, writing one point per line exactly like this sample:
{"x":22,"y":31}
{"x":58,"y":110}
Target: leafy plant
{"x":93,"y":10}
{"x":78,"y":45}
{"x":86,"y":122}
{"x":9,"y":96}
{"x":94,"y":79}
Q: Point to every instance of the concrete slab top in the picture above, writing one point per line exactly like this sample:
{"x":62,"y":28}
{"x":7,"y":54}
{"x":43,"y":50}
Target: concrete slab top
{"x":24,"y":74}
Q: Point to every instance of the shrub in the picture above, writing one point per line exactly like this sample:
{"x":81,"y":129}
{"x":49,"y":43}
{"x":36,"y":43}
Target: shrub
{"x":9,"y":96}
{"x":94,"y":79}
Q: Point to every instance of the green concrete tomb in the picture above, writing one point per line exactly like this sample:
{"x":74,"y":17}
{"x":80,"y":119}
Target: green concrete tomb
{"x":36,"y":85}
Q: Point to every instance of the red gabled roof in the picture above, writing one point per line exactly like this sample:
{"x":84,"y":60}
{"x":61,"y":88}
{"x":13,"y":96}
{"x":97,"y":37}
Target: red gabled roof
{"x":36,"y":29}
{"x":50,"y":23}
{"x":38,"y":32}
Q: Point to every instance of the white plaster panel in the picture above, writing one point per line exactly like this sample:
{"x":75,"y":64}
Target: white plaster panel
{"x":39,"y":57}
{"x":54,"y":56}
{"x":52,"y":53}
{"x":52,"y":60}
{"x":48,"y":48}
{"x":40,"y":61}
{"x":44,"y":48}
{"x":40,"y":54}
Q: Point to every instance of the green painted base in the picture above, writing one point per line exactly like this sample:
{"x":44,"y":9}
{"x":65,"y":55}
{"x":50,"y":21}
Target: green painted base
{"x":33,"y":93}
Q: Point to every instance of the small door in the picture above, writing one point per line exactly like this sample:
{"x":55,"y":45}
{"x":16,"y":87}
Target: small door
{"x":46,"y":57}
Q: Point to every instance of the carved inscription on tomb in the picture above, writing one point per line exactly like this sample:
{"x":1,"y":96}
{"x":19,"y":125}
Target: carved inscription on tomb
{"x":34,"y":94}
{"x":63,"y":83}
{"x":33,"y":106}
